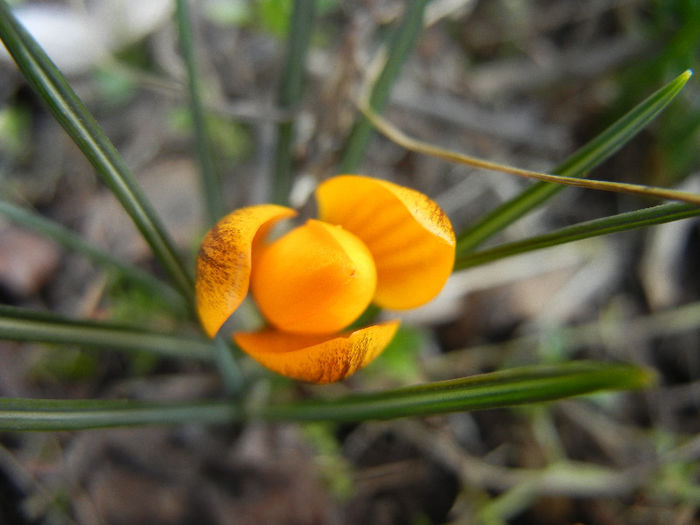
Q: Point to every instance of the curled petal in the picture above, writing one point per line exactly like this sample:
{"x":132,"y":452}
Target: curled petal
{"x":409,"y":236}
{"x":225,"y":259}
{"x":317,"y":358}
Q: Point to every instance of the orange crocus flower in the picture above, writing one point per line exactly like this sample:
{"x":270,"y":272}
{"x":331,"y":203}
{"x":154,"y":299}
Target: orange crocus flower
{"x":375,"y":241}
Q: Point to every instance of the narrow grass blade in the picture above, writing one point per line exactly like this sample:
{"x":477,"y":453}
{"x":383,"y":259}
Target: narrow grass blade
{"x":494,"y":390}
{"x":418,"y":146}
{"x":71,"y":241}
{"x":72,"y":114}
{"x":20,"y":324}
{"x":211,"y":185}
{"x":577,"y":165}
{"x":291,"y":87}
{"x":59,"y":414}
{"x":402,"y":42}
{"x":615,"y":223}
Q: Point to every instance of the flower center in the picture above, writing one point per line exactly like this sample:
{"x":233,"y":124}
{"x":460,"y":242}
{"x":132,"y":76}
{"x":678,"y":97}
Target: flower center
{"x":318,"y":278}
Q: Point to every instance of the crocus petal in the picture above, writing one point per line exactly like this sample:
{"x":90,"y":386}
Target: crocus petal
{"x":317,"y":358}
{"x":316,"y":279}
{"x":410,"y":237}
{"x":225,"y":259}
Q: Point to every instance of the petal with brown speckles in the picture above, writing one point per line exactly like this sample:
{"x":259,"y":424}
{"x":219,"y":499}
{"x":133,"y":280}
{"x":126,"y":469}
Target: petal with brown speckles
{"x":317,"y":358}
{"x":224,"y":262}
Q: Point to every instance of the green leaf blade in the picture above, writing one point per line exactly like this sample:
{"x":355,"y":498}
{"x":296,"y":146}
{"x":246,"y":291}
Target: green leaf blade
{"x":54,"y":415}
{"x":289,"y":95}
{"x":20,"y":324}
{"x":493,"y":390}
{"x":402,"y":42}
{"x":71,"y":241}
{"x":616,"y":223}
{"x":211,"y":185}
{"x":71,"y":113}
{"x":577,"y":165}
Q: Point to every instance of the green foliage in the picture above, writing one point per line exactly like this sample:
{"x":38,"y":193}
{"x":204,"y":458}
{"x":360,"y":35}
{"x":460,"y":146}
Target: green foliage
{"x":400,"y":361}
{"x":273,"y":15}
{"x":614,"y":223}
{"x":153,"y":327}
{"x":334,"y":468}
{"x":21,"y":324}
{"x":139,"y":306}
{"x":229,"y":12}
{"x":289,"y":95}
{"x":494,"y":390}
{"x":400,"y":43}
{"x":71,"y":241}
{"x":74,"y":117}
{"x":15,"y":122}
{"x":230,"y":139}
{"x":114,"y":87}
{"x":497,"y":389}
{"x":211,"y":183}
{"x":64,"y":365}
{"x":610,"y":140}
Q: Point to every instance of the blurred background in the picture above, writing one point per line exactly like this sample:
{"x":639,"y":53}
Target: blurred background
{"x":520,"y":82}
